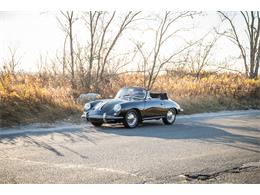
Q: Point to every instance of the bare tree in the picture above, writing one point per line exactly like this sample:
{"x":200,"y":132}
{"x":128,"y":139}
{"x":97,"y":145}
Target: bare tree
{"x":102,"y":42}
{"x":93,"y":23}
{"x":251,"y":58}
{"x":67,"y":27}
{"x":64,"y":64}
{"x":80,"y":61}
{"x":197,"y":58}
{"x":153,"y":62}
{"x":12,"y":62}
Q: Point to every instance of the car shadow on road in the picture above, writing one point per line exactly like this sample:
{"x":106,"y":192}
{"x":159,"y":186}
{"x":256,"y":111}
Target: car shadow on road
{"x":203,"y":132}
{"x":194,"y":131}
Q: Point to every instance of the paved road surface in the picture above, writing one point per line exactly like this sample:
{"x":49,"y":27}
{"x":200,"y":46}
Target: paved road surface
{"x":219,"y":147}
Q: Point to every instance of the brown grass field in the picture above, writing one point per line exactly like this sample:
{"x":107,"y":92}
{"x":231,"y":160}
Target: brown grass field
{"x":28,"y":98}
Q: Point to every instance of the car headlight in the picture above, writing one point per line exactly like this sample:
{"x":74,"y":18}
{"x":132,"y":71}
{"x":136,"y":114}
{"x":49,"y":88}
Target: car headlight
{"x":87,"y":106}
{"x":117,"y":108}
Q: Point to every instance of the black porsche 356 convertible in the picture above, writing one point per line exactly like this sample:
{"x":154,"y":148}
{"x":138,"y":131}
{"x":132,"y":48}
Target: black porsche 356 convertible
{"x":131,"y":106}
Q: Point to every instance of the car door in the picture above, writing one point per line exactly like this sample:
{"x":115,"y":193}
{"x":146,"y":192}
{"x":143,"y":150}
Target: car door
{"x":154,"y":107}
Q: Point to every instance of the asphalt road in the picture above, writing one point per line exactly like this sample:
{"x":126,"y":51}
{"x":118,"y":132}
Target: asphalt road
{"x":221,"y":147}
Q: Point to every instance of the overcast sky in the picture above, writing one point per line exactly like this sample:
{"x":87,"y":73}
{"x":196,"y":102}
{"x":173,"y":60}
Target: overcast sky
{"x":35,"y":33}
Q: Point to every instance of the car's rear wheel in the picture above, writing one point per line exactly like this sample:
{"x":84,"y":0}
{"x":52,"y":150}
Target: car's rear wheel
{"x":131,"y":119}
{"x":96,"y":124}
{"x":170,"y":117}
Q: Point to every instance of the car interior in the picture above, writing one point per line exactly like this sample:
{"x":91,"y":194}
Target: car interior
{"x":162,"y":96}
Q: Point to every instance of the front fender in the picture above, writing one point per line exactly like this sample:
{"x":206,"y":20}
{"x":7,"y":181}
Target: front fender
{"x":92,"y":103}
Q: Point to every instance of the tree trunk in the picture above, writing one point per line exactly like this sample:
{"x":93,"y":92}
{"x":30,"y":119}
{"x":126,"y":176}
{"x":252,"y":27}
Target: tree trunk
{"x":71,"y":52}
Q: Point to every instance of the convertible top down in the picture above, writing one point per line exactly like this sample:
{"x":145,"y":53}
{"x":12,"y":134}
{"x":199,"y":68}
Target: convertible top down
{"x":131,"y":106}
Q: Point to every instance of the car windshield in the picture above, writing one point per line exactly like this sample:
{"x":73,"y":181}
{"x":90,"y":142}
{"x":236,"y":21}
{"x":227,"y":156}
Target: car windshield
{"x":131,"y":93}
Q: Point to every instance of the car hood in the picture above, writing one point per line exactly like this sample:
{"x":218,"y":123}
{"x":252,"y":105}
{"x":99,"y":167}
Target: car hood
{"x":108,"y":104}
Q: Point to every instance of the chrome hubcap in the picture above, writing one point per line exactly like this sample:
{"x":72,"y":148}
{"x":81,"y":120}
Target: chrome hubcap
{"x":170,"y":116}
{"x":131,"y":119}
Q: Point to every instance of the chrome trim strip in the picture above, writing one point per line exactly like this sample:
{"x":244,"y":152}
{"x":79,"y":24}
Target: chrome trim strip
{"x":153,"y":117}
{"x":106,"y":117}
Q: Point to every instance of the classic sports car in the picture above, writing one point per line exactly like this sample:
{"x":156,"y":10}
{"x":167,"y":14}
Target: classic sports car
{"x":131,"y":106}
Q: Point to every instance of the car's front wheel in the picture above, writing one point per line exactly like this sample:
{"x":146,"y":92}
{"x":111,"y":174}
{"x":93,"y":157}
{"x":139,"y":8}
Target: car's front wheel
{"x":96,"y":124}
{"x":170,"y":117}
{"x":131,"y":119}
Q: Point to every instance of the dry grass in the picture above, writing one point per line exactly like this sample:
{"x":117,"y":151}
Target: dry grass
{"x":30,"y":98}
{"x":26,"y":98}
{"x":210,"y":93}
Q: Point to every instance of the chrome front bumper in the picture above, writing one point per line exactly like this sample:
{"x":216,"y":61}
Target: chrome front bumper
{"x":103,"y":117}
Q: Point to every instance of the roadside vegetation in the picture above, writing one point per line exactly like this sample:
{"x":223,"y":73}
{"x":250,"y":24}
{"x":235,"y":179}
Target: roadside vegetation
{"x":29,"y":98}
